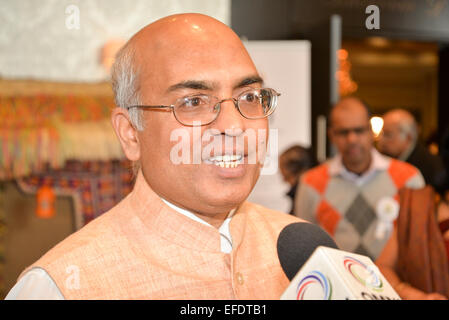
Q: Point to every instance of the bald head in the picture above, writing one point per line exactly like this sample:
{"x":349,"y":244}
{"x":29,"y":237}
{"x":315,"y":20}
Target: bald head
{"x":159,"y":51}
{"x":349,"y":105}
{"x":403,"y":120}
{"x":179,"y":44}
{"x":399,"y":133}
{"x":181,"y":32}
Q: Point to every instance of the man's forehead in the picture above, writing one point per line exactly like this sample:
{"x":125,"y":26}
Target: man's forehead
{"x":349,"y":114}
{"x":191,"y":52}
{"x":391,"y":122}
{"x":178,"y":31}
{"x":398,"y":117}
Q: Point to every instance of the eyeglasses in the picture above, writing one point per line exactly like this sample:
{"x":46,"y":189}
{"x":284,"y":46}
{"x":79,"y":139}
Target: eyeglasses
{"x":345,"y":132}
{"x":201,"y":109}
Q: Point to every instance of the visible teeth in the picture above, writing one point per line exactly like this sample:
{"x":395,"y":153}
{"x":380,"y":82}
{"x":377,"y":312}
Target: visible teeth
{"x":223,"y":164}
{"x":227,"y":158}
{"x":227,"y":161}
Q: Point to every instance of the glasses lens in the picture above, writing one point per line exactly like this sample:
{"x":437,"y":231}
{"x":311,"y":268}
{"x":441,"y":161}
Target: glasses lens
{"x":257,"y":103}
{"x":196,"y":110}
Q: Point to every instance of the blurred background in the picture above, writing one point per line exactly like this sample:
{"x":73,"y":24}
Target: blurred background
{"x":60,"y":163}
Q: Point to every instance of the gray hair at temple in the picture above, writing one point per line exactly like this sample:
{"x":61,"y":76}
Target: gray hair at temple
{"x":408,"y":126}
{"x":406,"y":123}
{"x":125,"y":83}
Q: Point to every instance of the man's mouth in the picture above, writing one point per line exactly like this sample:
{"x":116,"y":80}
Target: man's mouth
{"x":226,"y":161}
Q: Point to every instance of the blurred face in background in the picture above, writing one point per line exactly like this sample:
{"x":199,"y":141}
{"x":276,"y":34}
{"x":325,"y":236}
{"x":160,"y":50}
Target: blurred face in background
{"x":293,"y":162}
{"x":393,"y":141}
{"x":351,"y":133}
{"x":287,"y":175}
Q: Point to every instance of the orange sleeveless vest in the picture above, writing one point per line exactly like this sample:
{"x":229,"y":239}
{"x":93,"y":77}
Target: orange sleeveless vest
{"x":142,"y":249}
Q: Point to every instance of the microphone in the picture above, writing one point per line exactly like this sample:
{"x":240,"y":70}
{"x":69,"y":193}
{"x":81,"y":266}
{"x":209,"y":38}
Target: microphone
{"x":297,"y":242}
{"x":326,"y":273}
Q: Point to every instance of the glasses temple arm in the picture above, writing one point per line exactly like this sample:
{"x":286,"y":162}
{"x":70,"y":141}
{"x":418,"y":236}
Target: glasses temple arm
{"x":150,"y":107}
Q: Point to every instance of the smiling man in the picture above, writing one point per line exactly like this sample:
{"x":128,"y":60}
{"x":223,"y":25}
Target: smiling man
{"x":185,"y":231}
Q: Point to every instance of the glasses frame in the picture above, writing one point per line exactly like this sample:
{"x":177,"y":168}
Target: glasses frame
{"x":234,"y":100}
{"x":358,"y":131}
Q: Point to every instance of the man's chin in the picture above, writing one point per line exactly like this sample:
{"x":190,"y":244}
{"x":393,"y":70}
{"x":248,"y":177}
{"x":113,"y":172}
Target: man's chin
{"x":354,"y":157}
{"x":227,"y":201}
{"x":226,"y":188}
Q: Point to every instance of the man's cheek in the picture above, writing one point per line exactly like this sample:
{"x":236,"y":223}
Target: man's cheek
{"x":179,"y":146}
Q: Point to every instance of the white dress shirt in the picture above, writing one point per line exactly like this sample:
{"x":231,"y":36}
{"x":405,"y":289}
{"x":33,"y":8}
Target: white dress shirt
{"x":378,"y":163}
{"x":37,"y":284}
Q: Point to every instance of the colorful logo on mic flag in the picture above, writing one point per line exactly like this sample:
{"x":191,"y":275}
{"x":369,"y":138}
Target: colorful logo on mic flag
{"x":366,"y":275}
{"x":314,"y":281}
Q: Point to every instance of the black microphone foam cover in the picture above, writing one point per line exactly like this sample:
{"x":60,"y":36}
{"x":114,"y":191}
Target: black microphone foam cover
{"x":297,"y":242}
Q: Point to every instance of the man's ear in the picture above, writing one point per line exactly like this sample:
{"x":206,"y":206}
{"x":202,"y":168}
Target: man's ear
{"x":409,"y":138}
{"x":126,"y":133}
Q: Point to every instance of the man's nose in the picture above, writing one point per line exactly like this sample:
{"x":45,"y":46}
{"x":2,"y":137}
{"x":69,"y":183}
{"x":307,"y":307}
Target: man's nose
{"x":352,"y":136}
{"x":229,"y":121}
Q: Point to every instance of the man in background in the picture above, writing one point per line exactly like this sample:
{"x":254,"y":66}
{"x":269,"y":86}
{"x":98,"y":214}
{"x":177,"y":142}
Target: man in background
{"x":354,"y":195}
{"x":399,"y":139}
{"x":293,"y":162}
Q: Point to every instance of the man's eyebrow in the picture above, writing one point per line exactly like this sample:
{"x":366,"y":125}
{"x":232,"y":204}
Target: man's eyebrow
{"x":190,"y":84}
{"x":248,"y":81}
{"x":205,"y":85}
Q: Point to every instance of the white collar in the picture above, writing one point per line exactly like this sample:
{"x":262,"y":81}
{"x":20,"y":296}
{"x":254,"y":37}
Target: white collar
{"x":225,"y":234}
{"x":378,"y":163}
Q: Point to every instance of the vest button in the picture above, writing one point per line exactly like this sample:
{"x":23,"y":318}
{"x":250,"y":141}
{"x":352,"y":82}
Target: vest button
{"x":240,"y":280}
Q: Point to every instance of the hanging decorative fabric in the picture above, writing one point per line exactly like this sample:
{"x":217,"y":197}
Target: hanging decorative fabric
{"x":94,"y":186}
{"x":36,"y":131}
